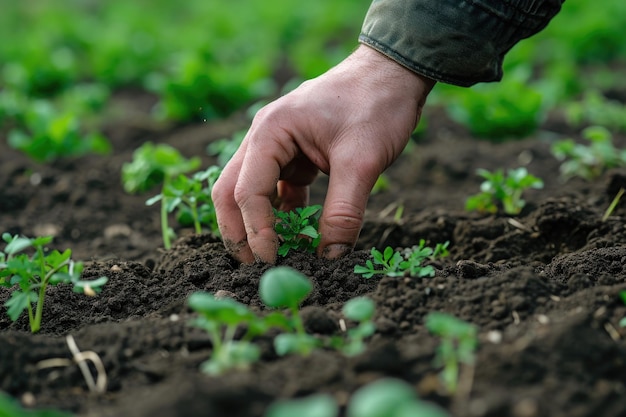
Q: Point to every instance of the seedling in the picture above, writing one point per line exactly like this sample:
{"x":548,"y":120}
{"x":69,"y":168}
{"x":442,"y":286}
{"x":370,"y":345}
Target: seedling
{"x":387,"y":397}
{"x":458,"y":346}
{"x":298,"y":229}
{"x":361,"y":310}
{"x":503,"y":191}
{"x":591,"y":161}
{"x":613,"y":204}
{"x":622,"y":296}
{"x":390,"y":397}
{"x":49,"y":135}
{"x":33,"y":273}
{"x":221,"y":318}
{"x":225,"y":148}
{"x":154,"y":165}
{"x":513,"y":109}
{"x":192,"y":198}
{"x":595,"y":109}
{"x":9,"y":407}
{"x":284,"y":287}
{"x":400,"y":263}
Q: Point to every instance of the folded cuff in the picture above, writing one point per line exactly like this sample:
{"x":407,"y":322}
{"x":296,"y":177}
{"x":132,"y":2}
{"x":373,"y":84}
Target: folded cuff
{"x":460,"y":42}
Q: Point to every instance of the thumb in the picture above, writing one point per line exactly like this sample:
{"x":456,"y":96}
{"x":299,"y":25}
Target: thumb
{"x":350,"y":184}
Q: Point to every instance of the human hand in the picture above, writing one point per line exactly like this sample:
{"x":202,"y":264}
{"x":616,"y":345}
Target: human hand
{"x":351,"y":123}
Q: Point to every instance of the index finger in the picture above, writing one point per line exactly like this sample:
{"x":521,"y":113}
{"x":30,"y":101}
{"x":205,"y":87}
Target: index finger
{"x":266,"y":154}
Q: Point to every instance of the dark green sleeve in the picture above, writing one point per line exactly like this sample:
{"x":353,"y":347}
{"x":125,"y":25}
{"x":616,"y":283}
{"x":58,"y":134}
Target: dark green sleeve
{"x":459,"y":42}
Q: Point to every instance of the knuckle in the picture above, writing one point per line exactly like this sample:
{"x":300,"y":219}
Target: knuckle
{"x":344,"y":216}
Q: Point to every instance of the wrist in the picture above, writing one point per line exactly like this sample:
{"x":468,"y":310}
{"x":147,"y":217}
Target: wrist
{"x":391,"y":72}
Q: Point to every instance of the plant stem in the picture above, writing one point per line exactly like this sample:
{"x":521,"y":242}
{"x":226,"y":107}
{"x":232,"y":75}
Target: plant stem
{"x":165,"y":232}
{"x":297,"y":321}
{"x":35,"y":321}
{"x":196,"y":221}
{"x":613,"y":204}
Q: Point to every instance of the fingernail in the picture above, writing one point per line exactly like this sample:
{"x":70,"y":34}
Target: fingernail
{"x":336,"y":251}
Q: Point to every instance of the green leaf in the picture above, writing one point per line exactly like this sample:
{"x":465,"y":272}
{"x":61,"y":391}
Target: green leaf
{"x":9,"y":407}
{"x":221,"y":310}
{"x":317,"y":405}
{"x":283,"y":286}
{"x":359,"y":309}
{"x":303,"y":344}
{"x":381,"y":398}
{"x":16,"y":244}
{"x":18,"y":302}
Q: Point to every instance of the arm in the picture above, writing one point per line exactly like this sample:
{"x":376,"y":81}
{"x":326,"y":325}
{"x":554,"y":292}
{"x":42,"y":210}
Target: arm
{"x":459,"y":42}
{"x":354,"y":121}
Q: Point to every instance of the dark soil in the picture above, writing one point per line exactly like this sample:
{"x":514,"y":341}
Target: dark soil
{"x":543,"y":287}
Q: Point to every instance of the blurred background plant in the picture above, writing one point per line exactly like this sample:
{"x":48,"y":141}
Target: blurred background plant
{"x":203,"y":60}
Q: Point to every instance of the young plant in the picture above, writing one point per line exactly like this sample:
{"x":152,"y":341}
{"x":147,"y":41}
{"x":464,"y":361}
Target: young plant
{"x":154,"y":165}
{"x":387,"y":397}
{"x":390,"y":397}
{"x":458,"y":346}
{"x":400,"y":263}
{"x":49,"y":135}
{"x":192,"y":198}
{"x":225,"y":148}
{"x":220,"y":318}
{"x":298,"y":229}
{"x":512,"y":110}
{"x":33,"y":273}
{"x":9,"y":407}
{"x":360,"y":310}
{"x":284,"y":287}
{"x":316,"y":405}
{"x":611,"y":208}
{"x":591,"y":161}
{"x":503,"y":191}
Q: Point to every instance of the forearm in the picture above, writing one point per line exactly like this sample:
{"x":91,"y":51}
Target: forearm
{"x":459,"y":42}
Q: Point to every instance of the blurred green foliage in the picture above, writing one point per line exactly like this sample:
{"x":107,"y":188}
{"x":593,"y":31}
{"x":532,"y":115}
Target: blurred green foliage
{"x":206,"y":59}
{"x":573,"y":54}
{"x":203,"y":58}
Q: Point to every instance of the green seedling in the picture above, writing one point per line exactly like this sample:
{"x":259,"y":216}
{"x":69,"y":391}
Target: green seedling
{"x":595,"y":109}
{"x":284,"y":287}
{"x":225,"y":148}
{"x":360,"y":310}
{"x":33,"y":273}
{"x":220,"y":318}
{"x":590,"y":161}
{"x":611,"y":208}
{"x":49,"y":135}
{"x":298,"y":229}
{"x":500,"y":191}
{"x":387,"y":397}
{"x":154,"y":165}
{"x":622,"y":296}
{"x":9,"y":407}
{"x":390,"y":397}
{"x":407,"y":262}
{"x":317,"y":405}
{"x":512,"y":110}
{"x":192,"y":198}
{"x":458,"y":346}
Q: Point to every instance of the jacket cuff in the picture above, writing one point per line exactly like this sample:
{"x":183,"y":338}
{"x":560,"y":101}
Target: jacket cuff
{"x":460,"y":42}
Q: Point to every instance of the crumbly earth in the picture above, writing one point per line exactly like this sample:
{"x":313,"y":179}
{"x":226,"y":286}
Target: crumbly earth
{"x":543,"y":287}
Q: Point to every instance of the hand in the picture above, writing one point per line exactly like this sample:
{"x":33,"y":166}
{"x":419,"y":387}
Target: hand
{"x":351,"y":123}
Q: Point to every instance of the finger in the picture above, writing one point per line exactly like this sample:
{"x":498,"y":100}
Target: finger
{"x":293,"y":187}
{"x":291,"y":196}
{"x":229,"y":219}
{"x":350,"y":184}
{"x":257,"y":182}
